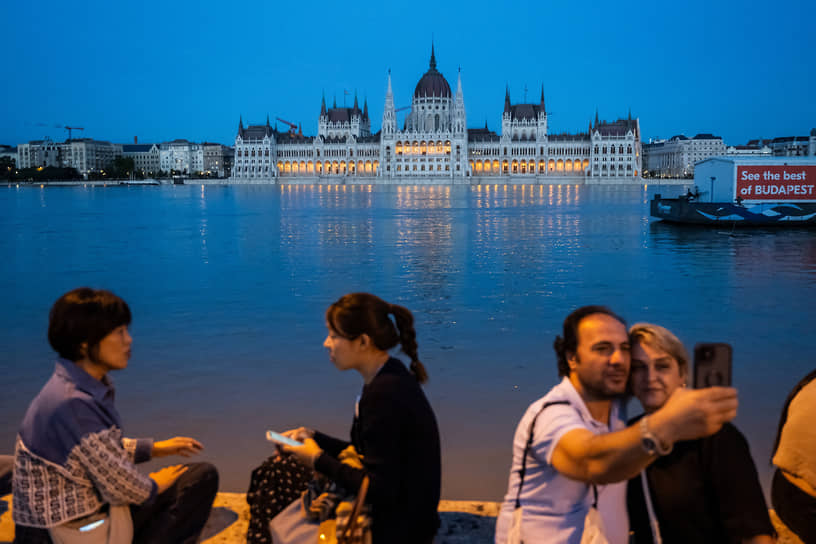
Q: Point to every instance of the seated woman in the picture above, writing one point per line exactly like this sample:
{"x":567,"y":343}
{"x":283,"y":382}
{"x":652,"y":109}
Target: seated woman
{"x":702,"y":491}
{"x":793,"y":492}
{"x":394,"y":428}
{"x":74,"y":473}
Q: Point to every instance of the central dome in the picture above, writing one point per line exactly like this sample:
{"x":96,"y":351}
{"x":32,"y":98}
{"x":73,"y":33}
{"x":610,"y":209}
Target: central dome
{"x":433,"y":83}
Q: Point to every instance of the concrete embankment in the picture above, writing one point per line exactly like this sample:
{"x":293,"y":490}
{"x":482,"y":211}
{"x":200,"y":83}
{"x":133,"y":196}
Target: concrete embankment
{"x":471,"y":522}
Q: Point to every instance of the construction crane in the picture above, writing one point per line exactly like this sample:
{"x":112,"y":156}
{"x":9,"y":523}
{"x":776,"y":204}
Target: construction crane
{"x":402,"y":109}
{"x":72,"y":128}
{"x":292,"y":126}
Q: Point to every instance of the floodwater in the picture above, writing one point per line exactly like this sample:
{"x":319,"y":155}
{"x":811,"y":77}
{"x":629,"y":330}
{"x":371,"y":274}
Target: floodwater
{"x":228,"y":287}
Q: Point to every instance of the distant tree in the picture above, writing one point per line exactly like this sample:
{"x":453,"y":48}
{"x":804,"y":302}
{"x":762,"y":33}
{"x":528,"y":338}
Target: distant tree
{"x":121,"y":167}
{"x":7,"y":168}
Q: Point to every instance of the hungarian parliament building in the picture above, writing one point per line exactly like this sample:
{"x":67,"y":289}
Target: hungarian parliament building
{"x":434,"y":145}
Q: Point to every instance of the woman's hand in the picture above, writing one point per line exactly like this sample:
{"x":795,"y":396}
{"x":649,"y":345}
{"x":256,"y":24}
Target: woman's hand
{"x":300,"y":434}
{"x":179,"y":445}
{"x":306,"y":454}
{"x":167,"y":476}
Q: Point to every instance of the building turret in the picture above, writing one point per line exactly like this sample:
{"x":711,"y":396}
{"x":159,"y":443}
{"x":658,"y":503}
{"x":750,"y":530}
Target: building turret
{"x":389,"y":119}
{"x":459,"y":118}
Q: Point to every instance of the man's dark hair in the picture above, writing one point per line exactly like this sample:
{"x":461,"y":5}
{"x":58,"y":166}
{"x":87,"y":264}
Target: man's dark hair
{"x":84,"y":315}
{"x":568,"y":343}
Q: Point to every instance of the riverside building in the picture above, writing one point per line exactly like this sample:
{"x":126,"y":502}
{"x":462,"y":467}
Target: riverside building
{"x":435,"y":146}
{"x":676,"y":157}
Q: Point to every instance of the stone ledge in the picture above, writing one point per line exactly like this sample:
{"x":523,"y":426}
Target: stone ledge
{"x":471,"y":522}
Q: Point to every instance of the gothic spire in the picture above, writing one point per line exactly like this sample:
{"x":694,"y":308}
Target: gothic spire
{"x":596,"y":118}
{"x":323,"y":104}
{"x":507,"y":99}
{"x":433,"y":57}
{"x":543,"y":108}
{"x":240,"y":124}
{"x":356,"y":105}
{"x":334,"y":102}
{"x":365,"y":108}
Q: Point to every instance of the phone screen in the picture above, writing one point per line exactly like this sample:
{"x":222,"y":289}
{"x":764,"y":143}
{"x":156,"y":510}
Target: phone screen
{"x":272,"y":436}
{"x":712,"y":364}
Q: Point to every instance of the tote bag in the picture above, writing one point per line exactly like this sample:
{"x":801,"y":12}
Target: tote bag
{"x":112,"y":527}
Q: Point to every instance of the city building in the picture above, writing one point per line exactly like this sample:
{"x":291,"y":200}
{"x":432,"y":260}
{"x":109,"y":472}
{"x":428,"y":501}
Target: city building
{"x":792,"y":146}
{"x":181,"y":157}
{"x":750,"y":150}
{"x":83,"y":154}
{"x":38,"y":153}
{"x":146,"y":158}
{"x":87,"y":155}
{"x":434,"y":144}
{"x":216,"y":159}
{"x":676,"y":157}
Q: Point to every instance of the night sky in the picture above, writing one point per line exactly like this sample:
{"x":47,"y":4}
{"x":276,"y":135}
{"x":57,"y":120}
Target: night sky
{"x":160,"y":71}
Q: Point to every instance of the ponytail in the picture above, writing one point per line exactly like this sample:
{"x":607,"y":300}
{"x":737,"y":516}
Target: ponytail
{"x":407,"y":335}
{"x":363,"y":313}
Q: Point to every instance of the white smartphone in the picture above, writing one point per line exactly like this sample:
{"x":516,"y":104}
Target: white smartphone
{"x":272,"y":436}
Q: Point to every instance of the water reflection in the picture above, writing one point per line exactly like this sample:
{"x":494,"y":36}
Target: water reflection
{"x":490,"y":271}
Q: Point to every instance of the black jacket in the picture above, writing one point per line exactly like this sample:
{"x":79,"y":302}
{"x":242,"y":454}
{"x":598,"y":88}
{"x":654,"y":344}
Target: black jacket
{"x":395,"y":431}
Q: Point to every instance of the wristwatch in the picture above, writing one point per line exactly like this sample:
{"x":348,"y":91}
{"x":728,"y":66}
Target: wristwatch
{"x":650,"y":442}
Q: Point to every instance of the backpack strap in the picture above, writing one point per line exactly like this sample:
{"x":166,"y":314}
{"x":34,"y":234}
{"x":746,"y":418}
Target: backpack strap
{"x":529,"y":444}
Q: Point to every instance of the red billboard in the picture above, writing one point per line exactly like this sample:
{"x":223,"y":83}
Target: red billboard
{"x":766,"y":182}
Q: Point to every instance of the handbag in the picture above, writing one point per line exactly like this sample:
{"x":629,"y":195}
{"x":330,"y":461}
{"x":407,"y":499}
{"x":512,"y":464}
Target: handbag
{"x":351,"y":526}
{"x":514,"y":532}
{"x":274,"y":485}
{"x":304,"y":520}
{"x":594,"y":529}
{"x":114,"y":526}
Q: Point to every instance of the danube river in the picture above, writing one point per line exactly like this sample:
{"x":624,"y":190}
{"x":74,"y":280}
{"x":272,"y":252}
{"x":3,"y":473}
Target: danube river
{"x":228,"y":286}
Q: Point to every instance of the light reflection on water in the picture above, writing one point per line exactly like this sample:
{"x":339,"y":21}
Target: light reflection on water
{"x":228,"y":286}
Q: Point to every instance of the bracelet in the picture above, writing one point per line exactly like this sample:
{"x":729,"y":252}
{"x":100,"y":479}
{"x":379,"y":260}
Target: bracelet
{"x":650,"y":442}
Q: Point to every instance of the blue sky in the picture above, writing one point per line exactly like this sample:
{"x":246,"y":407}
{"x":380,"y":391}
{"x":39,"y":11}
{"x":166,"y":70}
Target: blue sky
{"x":161,"y":71}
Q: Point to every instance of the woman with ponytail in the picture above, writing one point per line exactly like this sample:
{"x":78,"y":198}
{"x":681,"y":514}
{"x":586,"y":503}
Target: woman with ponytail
{"x":394,"y":428}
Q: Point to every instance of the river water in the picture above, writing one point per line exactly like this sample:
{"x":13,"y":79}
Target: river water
{"x":228,"y":286}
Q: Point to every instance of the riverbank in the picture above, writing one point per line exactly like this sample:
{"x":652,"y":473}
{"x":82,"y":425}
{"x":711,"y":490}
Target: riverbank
{"x":462,"y":521}
{"x":471,"y":522}
{"x":367,"y":180}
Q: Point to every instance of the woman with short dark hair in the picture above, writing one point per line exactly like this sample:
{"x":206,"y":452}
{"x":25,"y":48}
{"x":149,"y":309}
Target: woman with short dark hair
{"x":74,"y":472}
{"x":394,"y":427}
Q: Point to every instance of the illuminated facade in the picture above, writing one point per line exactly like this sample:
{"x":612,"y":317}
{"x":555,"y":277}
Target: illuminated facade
{"x":435,"y":146}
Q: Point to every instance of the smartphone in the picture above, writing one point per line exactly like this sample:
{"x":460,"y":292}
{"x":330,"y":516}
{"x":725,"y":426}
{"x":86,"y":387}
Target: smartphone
{"x":272,"y":436}
{"x":712,"y":364}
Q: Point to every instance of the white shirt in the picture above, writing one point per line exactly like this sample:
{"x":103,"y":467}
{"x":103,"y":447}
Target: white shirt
{"x":554,"y":506}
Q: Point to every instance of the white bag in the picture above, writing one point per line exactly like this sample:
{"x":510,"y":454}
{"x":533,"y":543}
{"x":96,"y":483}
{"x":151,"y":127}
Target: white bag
{"x":594,"y":530}
{"x":514,"y":532}
{"x":112,"y":527}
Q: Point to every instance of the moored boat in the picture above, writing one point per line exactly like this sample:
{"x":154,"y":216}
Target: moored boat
{"x":738,"y":191}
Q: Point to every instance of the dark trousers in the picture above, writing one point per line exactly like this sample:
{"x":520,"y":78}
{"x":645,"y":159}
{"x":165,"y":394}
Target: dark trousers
{"x":178,"y":515}
{"x":794,"y":507}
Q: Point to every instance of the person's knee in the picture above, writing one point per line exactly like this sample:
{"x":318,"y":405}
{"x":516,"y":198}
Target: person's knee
{"x":204,"y":476}
{"x":6,"y":466}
